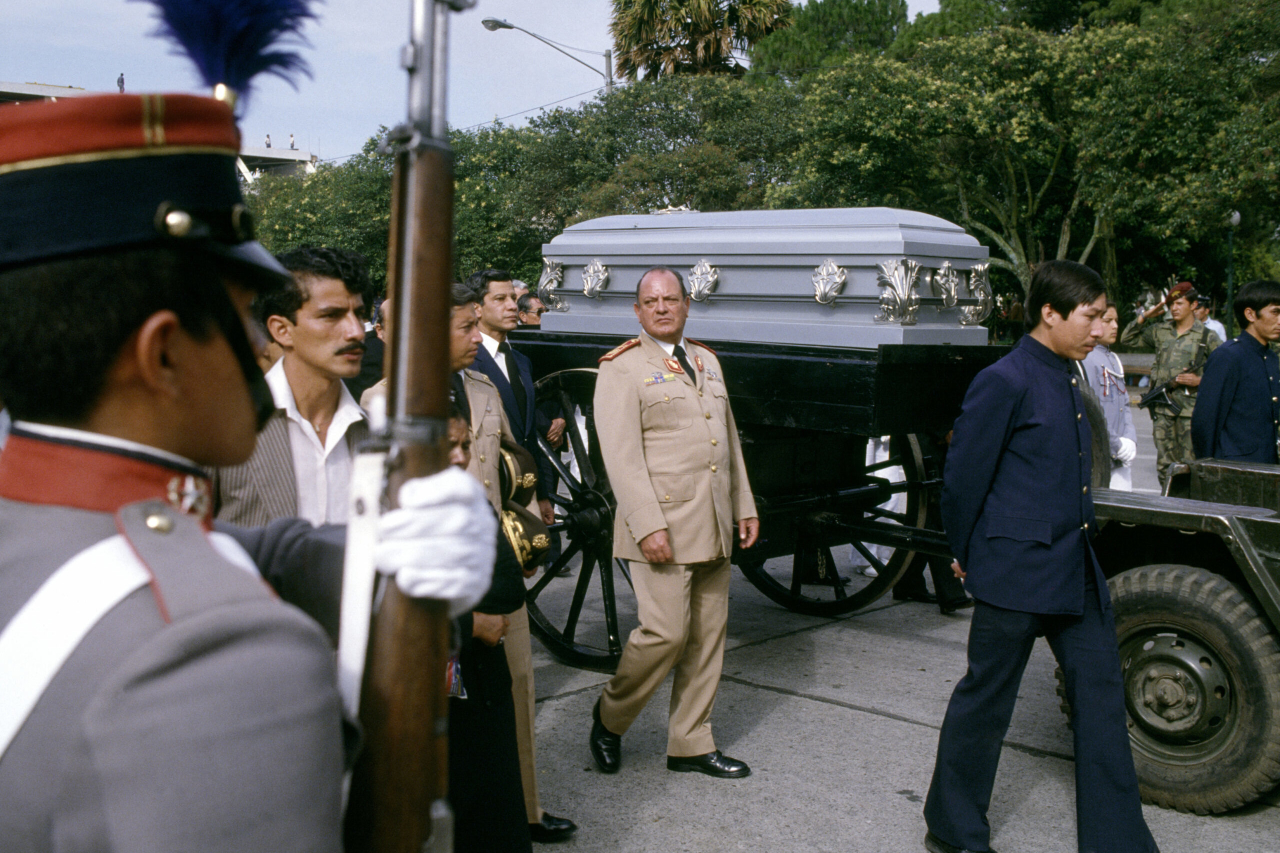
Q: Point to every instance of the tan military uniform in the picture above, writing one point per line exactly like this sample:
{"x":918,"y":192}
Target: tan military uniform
{"x":672,"y":453}
{"x":1175,"y":353}
{"x":489,"y":425}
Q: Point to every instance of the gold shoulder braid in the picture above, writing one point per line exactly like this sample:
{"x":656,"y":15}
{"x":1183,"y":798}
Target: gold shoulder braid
{"x":527,"y":534}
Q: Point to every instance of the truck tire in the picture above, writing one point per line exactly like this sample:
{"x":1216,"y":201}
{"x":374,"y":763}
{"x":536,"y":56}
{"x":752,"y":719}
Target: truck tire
{"x":1201,"y":672}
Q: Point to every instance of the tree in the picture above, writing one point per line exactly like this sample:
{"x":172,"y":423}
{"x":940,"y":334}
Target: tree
{"x":826,"y":31}
{"x":659,"y":37}
{"x":343,"y":206}
{"x":1043,"y":145}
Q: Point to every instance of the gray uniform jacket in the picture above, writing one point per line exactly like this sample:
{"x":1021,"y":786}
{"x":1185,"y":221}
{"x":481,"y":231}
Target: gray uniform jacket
{"x":199,"y":714}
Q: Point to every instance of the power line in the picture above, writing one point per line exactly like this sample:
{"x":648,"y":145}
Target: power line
{"x":531,"y":109}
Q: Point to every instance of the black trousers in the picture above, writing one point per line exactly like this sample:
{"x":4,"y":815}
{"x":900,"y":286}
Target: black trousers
{"x":485,"y":791}
{"x":1108,"y":808}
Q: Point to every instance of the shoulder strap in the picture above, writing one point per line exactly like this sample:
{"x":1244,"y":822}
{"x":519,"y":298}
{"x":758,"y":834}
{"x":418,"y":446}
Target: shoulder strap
{"x":39,"y":639}
{"x":1202,"y":355}
{"x":619,"y":350}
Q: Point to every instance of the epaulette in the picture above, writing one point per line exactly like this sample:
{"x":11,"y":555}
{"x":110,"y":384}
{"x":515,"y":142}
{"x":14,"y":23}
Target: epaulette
{"x":619,"y":350}
{"x":701,"y":344}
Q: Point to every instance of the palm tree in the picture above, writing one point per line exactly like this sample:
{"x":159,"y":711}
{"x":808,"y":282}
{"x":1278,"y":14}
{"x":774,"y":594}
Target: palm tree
{"x":653,"y":37}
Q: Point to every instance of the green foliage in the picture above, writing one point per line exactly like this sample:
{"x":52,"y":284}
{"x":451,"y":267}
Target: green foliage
{"x":1047,"y":145}
{"x":661,"y":37}
{"x":824,"y":32}
{"x":345,"y":206}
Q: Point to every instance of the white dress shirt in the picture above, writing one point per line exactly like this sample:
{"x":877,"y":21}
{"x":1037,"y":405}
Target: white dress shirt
{"x":322,"y":471}
{"x":669,"y":349}
{"x":492,"y":344}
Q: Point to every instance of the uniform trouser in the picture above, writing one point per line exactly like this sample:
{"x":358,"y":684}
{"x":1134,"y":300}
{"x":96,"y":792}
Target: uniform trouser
{"x":520,"y":661}
{"x":1108,"y":809}
{"x":683,"y":610}
{"x":1172,"y":437}
{"x":484,"y":769}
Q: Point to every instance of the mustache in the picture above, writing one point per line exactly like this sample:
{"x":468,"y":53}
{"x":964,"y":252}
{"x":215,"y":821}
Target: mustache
{"x":356,"y":348}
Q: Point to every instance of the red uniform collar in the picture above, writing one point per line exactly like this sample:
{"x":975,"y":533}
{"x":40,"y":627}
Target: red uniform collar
{"x":41,"y":470}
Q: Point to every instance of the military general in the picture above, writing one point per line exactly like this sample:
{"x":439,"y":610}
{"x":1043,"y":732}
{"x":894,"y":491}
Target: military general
{"x":671,"y":449}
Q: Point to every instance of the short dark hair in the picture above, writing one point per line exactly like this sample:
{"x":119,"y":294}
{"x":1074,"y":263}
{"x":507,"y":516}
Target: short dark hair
{"x":684,"y":294}
{"x":479,"y":281}
{"x":64,"y":322}
{"x":1063,"y":286}
{"x":1256,"y":295}
{"x":462,"y":294}
{"x":350,"y":268}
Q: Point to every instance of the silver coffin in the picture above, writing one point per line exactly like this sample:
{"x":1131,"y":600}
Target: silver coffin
{"x":844,"y":277}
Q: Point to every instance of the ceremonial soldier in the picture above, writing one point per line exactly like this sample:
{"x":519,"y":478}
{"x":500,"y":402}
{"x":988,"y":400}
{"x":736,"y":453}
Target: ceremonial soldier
{"x":1181,"y":345}
{"x":157,"y":695}
{"x":670,"y":446}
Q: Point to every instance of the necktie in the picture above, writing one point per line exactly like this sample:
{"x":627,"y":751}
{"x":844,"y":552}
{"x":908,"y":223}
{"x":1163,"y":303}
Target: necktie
{"x":513,"y":376}
{"x":684,"y":362}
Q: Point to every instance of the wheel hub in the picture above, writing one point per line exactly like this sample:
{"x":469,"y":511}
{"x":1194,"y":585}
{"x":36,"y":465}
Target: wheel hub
{"x":1176,"y":690}
{"x":591,"y":517}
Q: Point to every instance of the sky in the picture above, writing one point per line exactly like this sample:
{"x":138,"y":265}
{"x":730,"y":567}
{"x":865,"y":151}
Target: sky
{"x":356,"y":84}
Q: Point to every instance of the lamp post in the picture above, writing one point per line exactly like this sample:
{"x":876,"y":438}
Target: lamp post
{"x":1233,"y":220}
{"x":493,"y":24}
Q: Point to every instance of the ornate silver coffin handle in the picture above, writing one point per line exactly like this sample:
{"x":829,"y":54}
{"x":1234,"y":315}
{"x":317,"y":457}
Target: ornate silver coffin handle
{"x":549,"y":284}
{"x":828,"y":281}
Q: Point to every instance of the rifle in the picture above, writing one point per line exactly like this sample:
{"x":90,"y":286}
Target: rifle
{"x":1162,"y":395}
{"x":397,"y":799}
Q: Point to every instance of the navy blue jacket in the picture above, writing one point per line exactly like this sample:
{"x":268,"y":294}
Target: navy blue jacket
{"x":1237,"y":410}
{"x":523,"y":423}
{"x":1016,"y":501}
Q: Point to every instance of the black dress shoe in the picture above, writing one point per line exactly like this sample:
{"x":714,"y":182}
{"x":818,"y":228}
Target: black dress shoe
{"x":934,"y":844}
{"x":948,"y":607}
{"x":924,"y":597}
{"x":551,"y":829}
{"x":606,"y":747}
{"x":713,"y":764}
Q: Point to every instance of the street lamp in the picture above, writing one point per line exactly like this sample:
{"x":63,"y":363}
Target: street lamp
{"x":493,"y":24}
{"x":1233,"y":220}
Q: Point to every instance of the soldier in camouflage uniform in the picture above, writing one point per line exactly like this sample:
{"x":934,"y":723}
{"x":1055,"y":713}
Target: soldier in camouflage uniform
{"x":1180,"y":344}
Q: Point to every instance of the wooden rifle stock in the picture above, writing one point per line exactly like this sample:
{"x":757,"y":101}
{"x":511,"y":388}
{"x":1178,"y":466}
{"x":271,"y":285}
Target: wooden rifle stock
{"x":400,"y":781}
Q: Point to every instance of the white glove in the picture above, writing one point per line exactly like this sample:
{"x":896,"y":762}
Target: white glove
{"x":442,"y":541}
{"x":1128,"y":451}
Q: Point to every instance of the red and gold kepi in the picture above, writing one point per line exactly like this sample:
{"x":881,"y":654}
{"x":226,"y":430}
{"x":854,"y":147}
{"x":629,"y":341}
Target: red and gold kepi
{"x":86,"y":175}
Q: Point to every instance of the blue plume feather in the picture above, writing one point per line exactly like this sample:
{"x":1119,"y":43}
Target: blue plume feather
{"x":233,"y":41}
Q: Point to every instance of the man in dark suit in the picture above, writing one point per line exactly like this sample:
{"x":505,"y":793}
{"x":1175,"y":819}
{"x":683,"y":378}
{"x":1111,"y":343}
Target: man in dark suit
{"x":510,"y":371}
{"x":1018,"y":511}
{"x":1238,"y":409}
